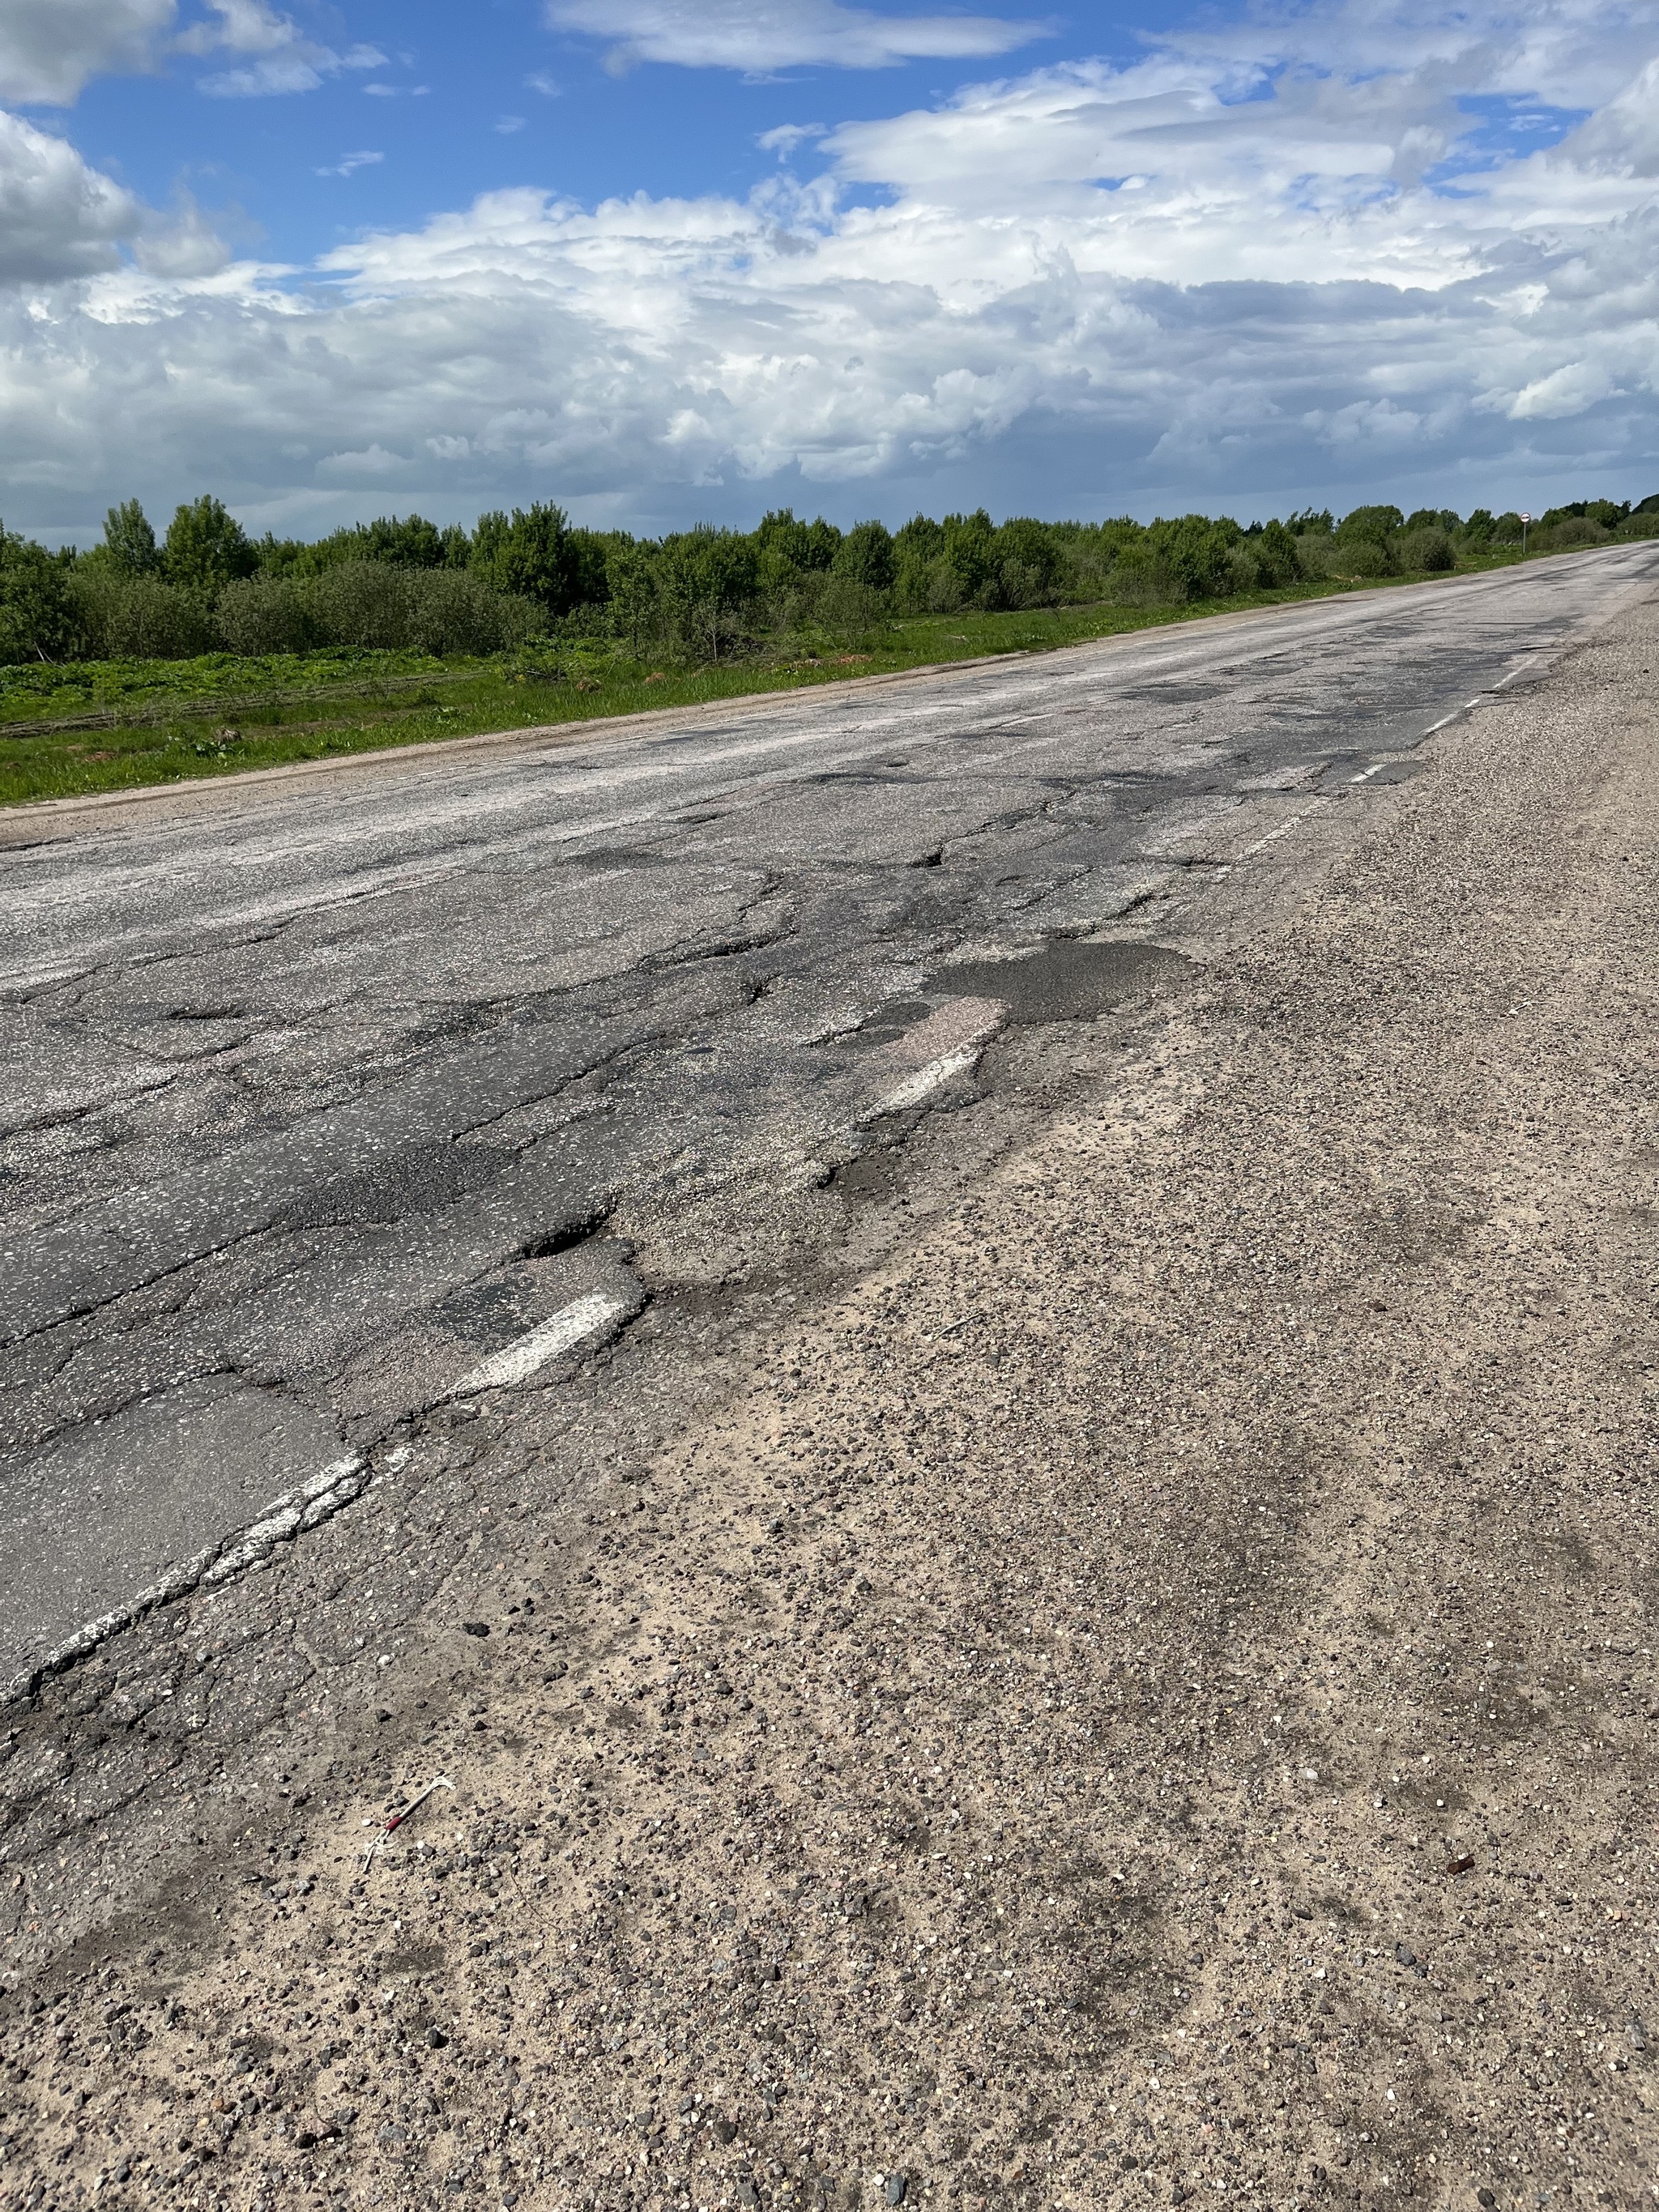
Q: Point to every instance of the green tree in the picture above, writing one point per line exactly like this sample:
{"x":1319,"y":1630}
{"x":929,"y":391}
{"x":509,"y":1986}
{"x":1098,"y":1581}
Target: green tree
{"x":631,"y":583}
{"x":1276,"y":558}
{"x":37,"y":606}
{"x":1377,"y":524}
{"x":128,"y":540}
{"x":708,"y":579}
{"x":206,"y":548}
{"x":865,"y":555}
{"x":534,"y":554}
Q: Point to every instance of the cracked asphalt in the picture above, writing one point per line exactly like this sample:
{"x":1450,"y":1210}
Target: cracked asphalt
{"x":1111,"y":1201}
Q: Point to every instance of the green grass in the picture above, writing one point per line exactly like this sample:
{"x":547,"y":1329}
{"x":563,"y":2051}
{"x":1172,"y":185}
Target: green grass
{"x":116,"y":726}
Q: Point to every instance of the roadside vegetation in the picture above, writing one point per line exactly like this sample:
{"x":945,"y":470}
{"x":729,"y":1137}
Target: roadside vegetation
{"x":144,"y":660}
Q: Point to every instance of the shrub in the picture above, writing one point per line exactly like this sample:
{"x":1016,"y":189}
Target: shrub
{"x":1031,"y":562}
{"x":941,"y":591}
{"x":1375,"y":525}
{"x":142,"y":618}
{"x":449,"y":612}
{"x":1573,"y":530}
{"x":265,"y":614}
{"x":39,"y":619}
{"x":361,"y":602}
{"x":848,"y":608}
{"x":1277,"y":559}
{"x":1427,"y":549}
{"x":1358,"y":557}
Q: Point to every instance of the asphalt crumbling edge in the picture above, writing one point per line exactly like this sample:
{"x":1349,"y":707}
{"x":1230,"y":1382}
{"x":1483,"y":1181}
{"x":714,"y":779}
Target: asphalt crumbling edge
{"x":315,"y":1500}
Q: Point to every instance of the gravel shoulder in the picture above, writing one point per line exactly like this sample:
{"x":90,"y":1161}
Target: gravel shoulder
{"x":1149,"y":1696}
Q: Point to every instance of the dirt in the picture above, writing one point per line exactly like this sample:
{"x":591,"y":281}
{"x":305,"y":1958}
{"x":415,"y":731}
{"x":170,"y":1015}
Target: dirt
{"x":1149,"y":1698}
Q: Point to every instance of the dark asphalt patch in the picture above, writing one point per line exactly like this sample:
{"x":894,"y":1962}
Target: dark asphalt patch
{"x":1072,"y":979}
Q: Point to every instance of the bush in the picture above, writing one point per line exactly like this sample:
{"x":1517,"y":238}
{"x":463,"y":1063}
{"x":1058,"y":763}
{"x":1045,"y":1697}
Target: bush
{"x":1277,"y":559}
{"x":361,"y":602}
{"x":142,"y":618}
{"x":1575,"y":530}
{"x":939,"y":588}
{"x":1428,"y":550}
{"x":1375,"y":525}
{"x":848,"y":609}
{"x":450,"y":612}
{"x":39,"y":619}
{"x":265,"y":614}
{"x":1358,"y":557}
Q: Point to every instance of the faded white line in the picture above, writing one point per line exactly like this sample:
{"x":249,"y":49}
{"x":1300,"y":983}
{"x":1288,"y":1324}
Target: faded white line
{"x":561,"y":1332}
{"x":924,"y":1082}
{"x":316,"y":1499}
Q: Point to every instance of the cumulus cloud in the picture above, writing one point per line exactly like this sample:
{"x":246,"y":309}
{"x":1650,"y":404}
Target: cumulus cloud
{"x":58,"y":218}
{"x":282,"y":59}
{"x":760,"y":36}
{"x":1202,"y":279}
{"x":50,"y":48}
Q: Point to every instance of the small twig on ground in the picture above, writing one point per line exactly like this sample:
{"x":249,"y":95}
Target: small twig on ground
{"x":441,"y":1782}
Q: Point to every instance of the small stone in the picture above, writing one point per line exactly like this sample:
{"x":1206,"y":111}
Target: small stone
{"x":1404,"y":1953}
{"x":1485,"y":2196}
{"x":897,"y":2189}
{"x":436,"y":2040}
{"x":475,"y":1627}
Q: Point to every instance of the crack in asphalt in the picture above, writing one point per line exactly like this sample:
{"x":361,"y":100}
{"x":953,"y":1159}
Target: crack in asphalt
{"x":717,"y":1101}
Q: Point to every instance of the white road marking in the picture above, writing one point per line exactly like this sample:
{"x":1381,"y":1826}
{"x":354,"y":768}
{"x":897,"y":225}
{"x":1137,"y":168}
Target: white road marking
{"x":923,"y":1083}
{"x":561,"y":1332}
{"x":1366,"y":773}
{"x":317,"y":1497}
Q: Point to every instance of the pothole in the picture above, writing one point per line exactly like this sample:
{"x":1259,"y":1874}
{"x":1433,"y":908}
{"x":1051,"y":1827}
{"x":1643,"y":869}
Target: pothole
{"x":1071,"y":978}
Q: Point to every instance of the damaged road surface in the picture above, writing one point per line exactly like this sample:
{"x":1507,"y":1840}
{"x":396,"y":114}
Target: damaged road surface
{"x":974,"y":1355}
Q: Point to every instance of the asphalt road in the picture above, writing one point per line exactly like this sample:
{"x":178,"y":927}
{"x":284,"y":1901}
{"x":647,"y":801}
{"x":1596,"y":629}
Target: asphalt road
{"x":331,"y":1100}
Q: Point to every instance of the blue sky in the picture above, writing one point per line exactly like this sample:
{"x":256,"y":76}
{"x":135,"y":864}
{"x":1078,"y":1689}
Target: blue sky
{"x":669,"y":258}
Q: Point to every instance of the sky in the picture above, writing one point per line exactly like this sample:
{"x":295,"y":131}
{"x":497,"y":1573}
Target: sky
{"x":670,"y":260}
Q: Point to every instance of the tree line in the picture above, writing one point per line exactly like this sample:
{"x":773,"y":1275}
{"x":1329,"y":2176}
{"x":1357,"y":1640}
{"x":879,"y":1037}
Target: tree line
{"x":701,"y":594}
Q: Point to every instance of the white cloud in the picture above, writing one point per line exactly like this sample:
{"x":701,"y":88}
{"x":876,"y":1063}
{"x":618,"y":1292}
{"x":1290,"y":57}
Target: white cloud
{"x":1207,"y":282}
{"x":760,"y":36}
{"x":1566,"y":391}
{"x":506,"y":125}
{"x":282,"y":59}
{"x":349,"y":164}
{"x":787,"y":138}
{"x":58,"y":218}
{"x":50,"y":48}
